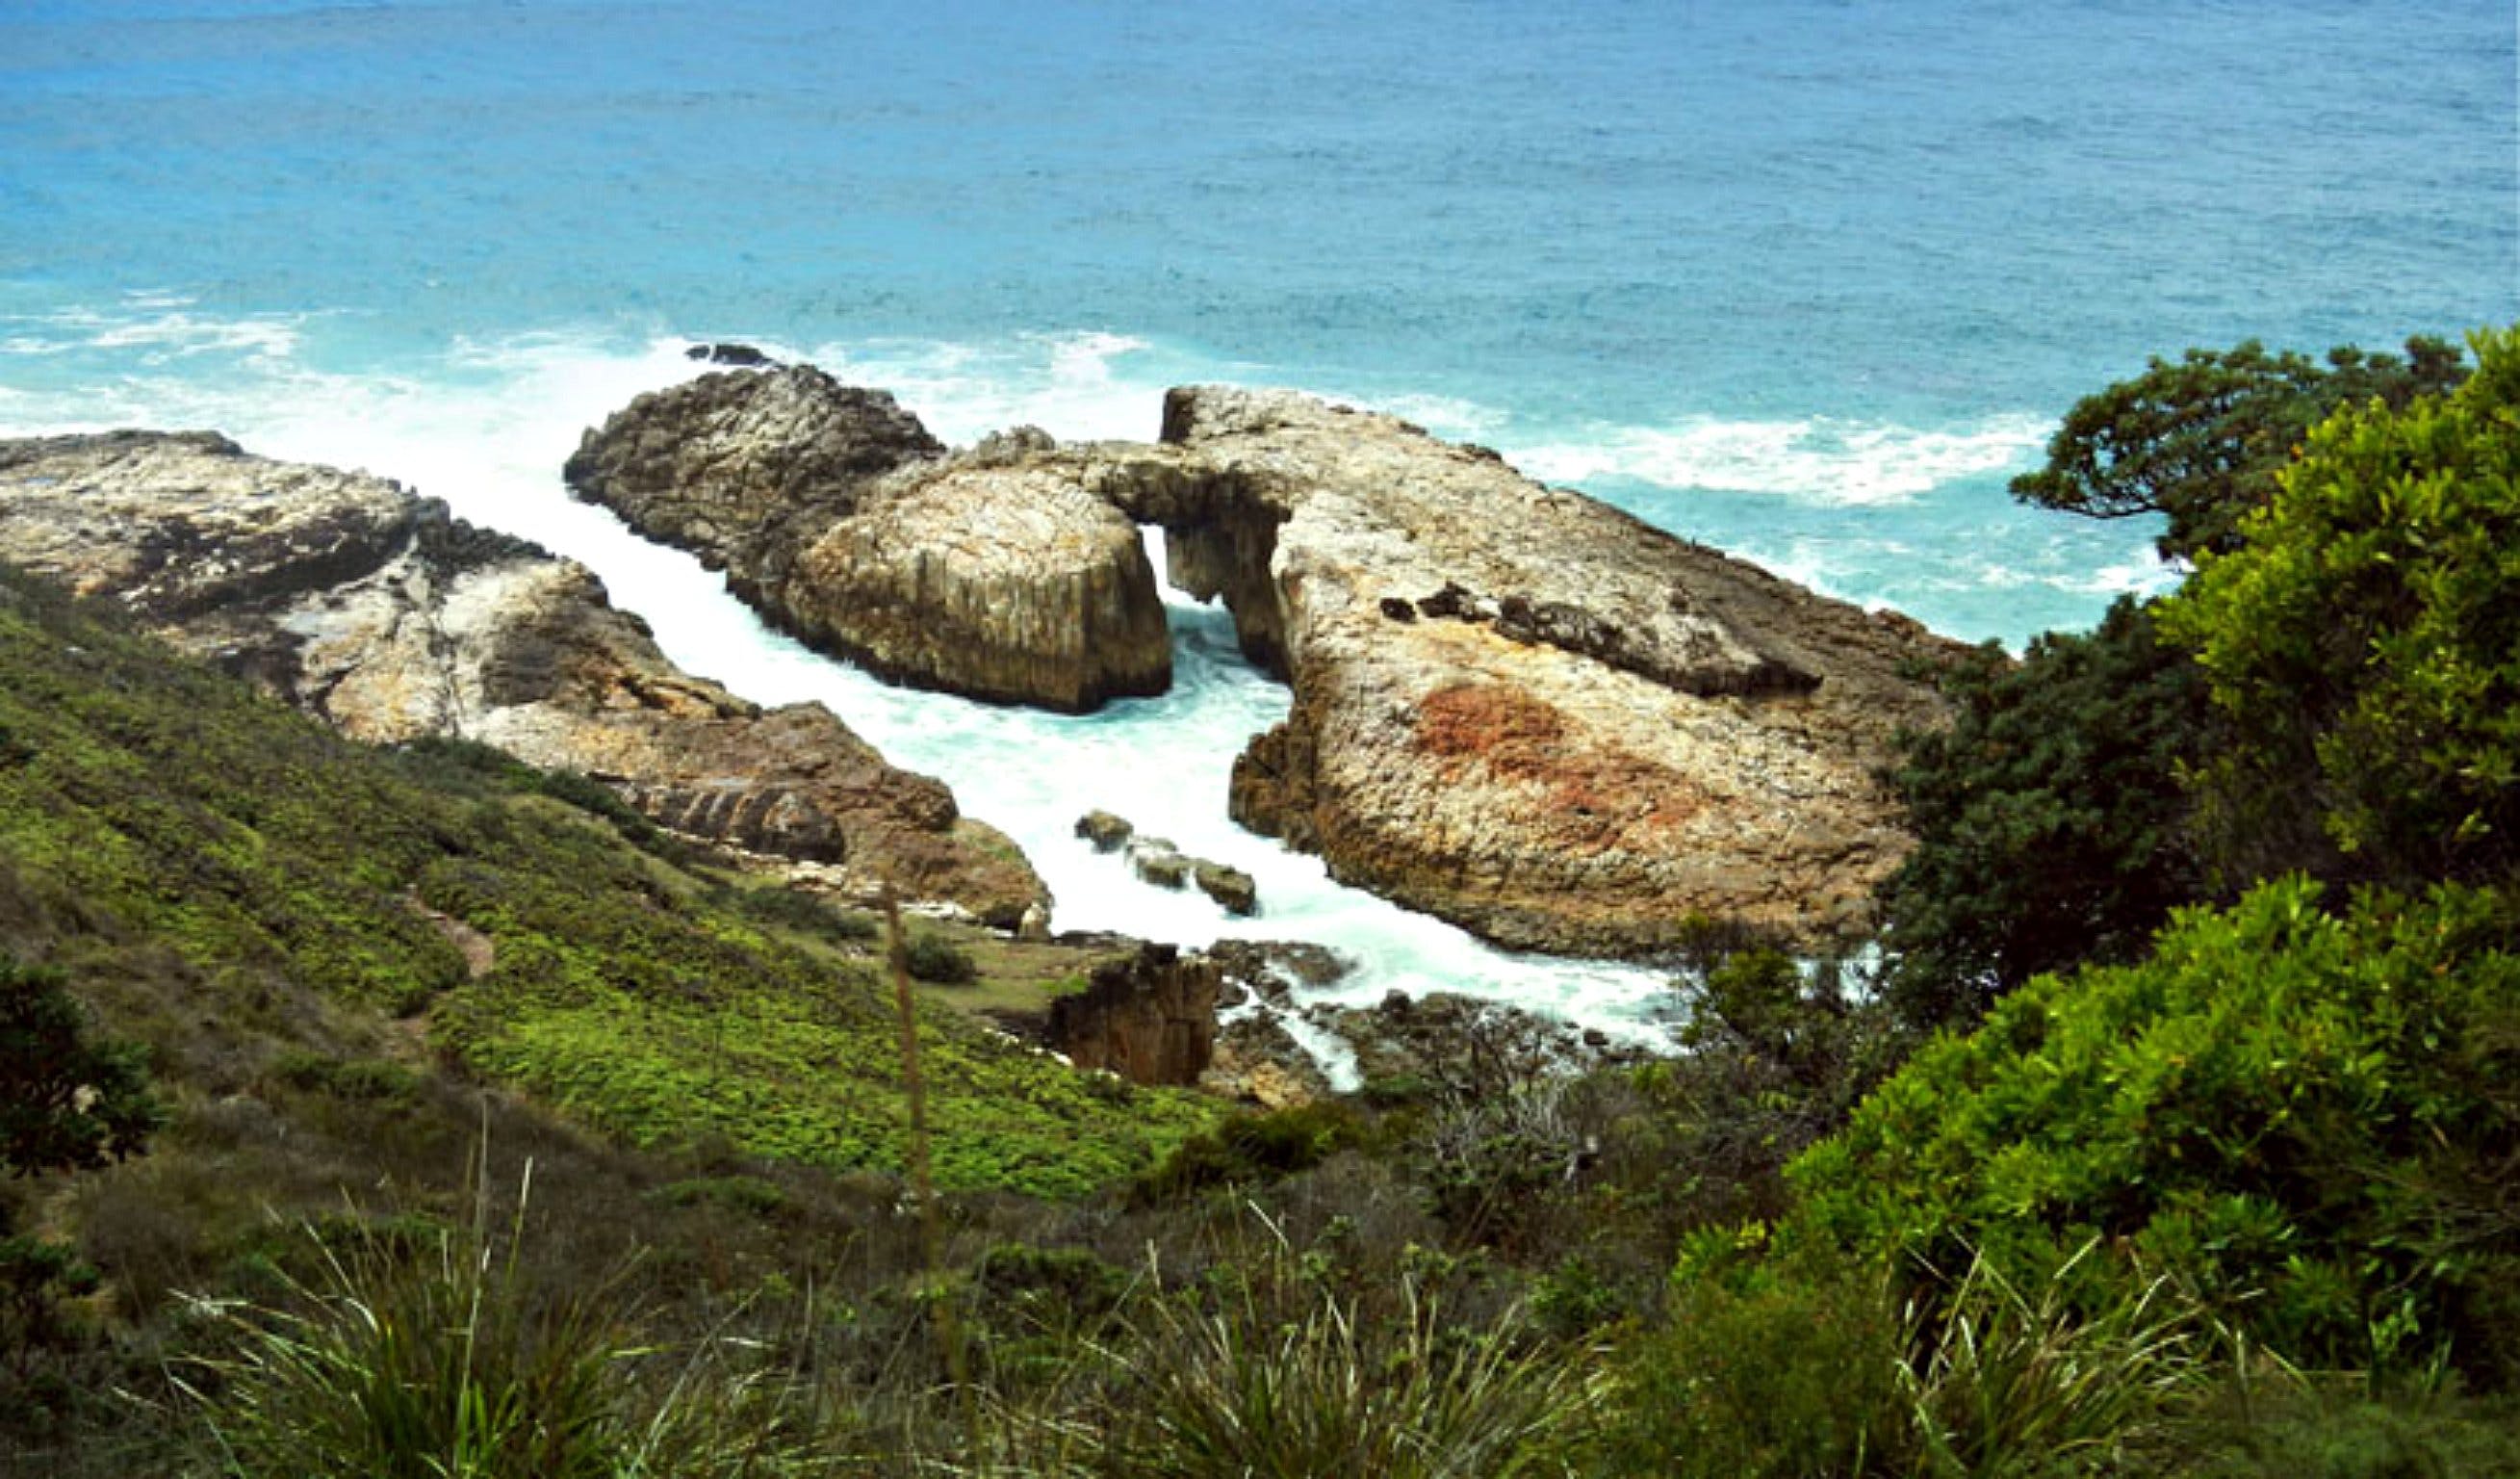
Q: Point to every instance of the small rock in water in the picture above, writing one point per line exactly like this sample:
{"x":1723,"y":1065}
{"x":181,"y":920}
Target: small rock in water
{"x":1230,"y":886}
{"x":1159,"y":862}
{"x":741,"y":356}
{"x":1108,"y":833}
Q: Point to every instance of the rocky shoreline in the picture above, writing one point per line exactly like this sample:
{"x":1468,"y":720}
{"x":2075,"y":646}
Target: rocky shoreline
{"x":1513,"y":706}
{"x":836,"y":515}
{"x":376,"y":612}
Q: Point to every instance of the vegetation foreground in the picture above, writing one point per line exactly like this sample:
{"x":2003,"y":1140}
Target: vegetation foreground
{"x":418,"y":1112}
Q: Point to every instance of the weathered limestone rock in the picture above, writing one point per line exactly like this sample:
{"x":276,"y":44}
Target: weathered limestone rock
{"x":836,"y":515}
{"x":1518,"y":708}
{"x":380,"y":613}
{"x":715,"y":465}
{"x":1151,"y":1018}
{"x":1514,"y":707}
{"x":1004,"y":584}
{"x":1230,"y":887}
{"x":1156,"y":861}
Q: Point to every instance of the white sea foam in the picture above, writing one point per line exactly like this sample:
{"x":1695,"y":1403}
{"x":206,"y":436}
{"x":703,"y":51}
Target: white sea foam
{"x":1077,"y":386}
{"x":1819,"y":458}
{"x":159,"y":327}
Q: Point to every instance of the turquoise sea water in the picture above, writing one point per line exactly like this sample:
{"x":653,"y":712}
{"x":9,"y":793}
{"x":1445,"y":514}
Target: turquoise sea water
{"x":1807,"y":279}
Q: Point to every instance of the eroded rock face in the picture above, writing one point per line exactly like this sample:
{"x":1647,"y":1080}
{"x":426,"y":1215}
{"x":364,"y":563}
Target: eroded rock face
{"x":1523,"y":711}
{"x":1514,"y":707}
{"x":835,"y":514}
{"x":1003,"y":583}
{"x":1150,"y":1018}
{"x":380,"y":613}
{"x":714,"y":465}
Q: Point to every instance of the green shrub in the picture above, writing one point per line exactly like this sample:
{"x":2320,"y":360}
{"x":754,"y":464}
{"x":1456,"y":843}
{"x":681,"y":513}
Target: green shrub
{"x":444,"y":1361}
{"x":1819,"y":1365}
{"x":2051,"y":826}
{"x":1072,"y":1280}
{"x":747,"y":1194}
{"x":1242,"y":1387}
{"x":2298,"y":1111}
{"x":365,"y":1079}
{"x":66,"y":1102}
{"x":794,"y":908}
{"x":449,"y":753}
{"x":1782,"y":1377}
{"x":428,"y":1369}
{"x":1254,"y":1147}
{"x":940,"y":961}
{"x":2279,"y":1425}
{"x":2364,"y":640}
{"x":2003,"y":1380}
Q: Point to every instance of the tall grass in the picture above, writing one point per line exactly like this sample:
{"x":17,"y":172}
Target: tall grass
{"x":1825,"y":1370}
{"x":424,"y":1355}
{"x":2011,"y":1383}
{"x":1272,"y":1374}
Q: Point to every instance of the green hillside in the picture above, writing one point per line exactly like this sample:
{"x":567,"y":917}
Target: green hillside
{"x":235,"y":886}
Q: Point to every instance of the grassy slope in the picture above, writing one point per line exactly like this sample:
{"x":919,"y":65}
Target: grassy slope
{"x":230,"y":882}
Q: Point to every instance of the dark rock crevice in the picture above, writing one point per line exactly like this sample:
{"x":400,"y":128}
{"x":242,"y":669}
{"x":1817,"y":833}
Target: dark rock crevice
{"x":1150,"y":1018}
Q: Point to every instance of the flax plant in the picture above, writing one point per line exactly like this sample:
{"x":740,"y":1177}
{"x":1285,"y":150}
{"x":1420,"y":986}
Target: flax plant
{"x":439,"y":1362}
{"x":2007,"y":1383}
{"x":1234,"y":1383}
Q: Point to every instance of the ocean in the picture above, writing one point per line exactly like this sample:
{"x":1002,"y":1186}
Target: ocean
{"x":1808,"y":280}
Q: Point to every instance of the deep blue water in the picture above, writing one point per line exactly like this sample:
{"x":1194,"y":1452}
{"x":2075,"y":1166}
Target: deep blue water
{"x":1808,"y":279}
{"x":1608,"y":235}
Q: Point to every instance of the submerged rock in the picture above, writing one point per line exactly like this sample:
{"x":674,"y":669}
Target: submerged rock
{"x":380,"y":613}
{"x":1106,"y":832}
{"x":1156,"y":861}
{"x":1232,"y":888}
{"x":733,"y":355}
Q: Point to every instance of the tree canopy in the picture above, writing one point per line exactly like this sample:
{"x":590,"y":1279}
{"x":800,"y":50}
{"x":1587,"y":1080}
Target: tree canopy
{"x":66,"y":1102}
{"x":2051,"y":825}
{"x":2353,"y":713}
{"x":2364,"y":636}
{"x":2201,"y":438}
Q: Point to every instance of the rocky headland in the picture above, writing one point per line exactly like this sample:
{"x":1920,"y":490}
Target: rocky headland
{"x":1519,"y":709}
{"x":1514,"y":707}
{"x":376,"y":609}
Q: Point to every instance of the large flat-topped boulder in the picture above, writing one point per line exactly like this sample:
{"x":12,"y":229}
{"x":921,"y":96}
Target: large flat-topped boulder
{"x":1522,"y":710}
{"x":990,"y":574}
{"x":378,"y":612}
{"x":836,"y":515}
